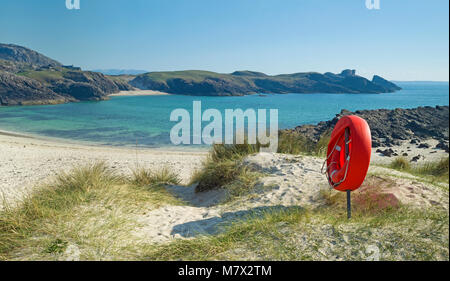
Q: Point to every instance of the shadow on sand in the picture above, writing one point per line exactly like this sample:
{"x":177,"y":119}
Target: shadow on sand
{"x":217,"y":224}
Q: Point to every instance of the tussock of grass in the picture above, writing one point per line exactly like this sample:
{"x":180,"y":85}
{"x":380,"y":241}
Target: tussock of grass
{"x":224,"y":169}
{"x":295,"y":143}
{"x":90,"y":207}
{"x":437,"y":171}
{"x":144,"y":177}
{"x":320,"y":148}
{"x":400,"y":163}
{"x":223,"y":152}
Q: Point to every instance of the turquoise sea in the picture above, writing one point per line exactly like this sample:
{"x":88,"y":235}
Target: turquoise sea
{"x":145,"y":120}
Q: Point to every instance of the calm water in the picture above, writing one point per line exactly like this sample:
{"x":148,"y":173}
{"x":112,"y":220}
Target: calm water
{"x":145,"y":119}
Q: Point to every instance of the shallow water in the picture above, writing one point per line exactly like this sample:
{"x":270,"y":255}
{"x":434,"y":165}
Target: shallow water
{"x":145,"y":120}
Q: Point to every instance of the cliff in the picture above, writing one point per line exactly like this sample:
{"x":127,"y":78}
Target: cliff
{"x":27,"y":77}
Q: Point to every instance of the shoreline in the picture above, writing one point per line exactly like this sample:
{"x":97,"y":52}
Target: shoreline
{"x":139,"y":93}
{"x":64,"y":141}
{"x":28,"y":162}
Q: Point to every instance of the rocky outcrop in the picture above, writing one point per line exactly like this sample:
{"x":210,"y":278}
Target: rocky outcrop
{"x":380,"y":81}
{"x":19,"y":90}
{"x":206,"y":83}
{"x":28,"y":77}
{"x":99,"y":80}
{"x":390,"y":127}
{"x":21,"y":54}
{"x":80,"y":91}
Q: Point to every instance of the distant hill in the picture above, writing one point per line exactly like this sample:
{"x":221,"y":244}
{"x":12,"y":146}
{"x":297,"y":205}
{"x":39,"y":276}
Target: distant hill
{"x":28,"y":77}
{"x":120,"y":71}
{"x":21,"y":54}
{"x":198,"y":82}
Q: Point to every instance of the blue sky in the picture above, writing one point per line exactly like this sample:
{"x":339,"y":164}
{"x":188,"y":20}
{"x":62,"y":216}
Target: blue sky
{"x":404,"y":40}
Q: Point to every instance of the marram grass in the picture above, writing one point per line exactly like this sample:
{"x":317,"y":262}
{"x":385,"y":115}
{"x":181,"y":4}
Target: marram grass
{"x":436,"y":171}
{"x":91,"y":207}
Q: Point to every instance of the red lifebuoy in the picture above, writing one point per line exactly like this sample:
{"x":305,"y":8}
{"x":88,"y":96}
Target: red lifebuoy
{"x":348,"y":153}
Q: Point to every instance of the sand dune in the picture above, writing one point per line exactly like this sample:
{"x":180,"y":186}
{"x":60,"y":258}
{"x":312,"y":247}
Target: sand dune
{"x":290,"y":182}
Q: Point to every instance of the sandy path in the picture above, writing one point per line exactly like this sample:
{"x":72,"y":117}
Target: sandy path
{"x":292,"y":182}
{"x":24,"y":162}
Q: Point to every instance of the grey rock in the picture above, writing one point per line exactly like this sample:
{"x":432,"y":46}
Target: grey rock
{"x":424,"y":145}
{"x":391,"y":127}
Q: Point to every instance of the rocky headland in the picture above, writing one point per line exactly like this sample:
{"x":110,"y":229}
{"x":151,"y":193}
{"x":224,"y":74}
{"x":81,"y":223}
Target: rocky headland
{"x":206,"y":83}
{"x":393,"y":127}
{"x":28,"y":77}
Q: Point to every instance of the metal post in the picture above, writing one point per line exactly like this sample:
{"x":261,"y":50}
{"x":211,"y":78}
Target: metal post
{"x":347,"y":138}
{"x":349,"y":205}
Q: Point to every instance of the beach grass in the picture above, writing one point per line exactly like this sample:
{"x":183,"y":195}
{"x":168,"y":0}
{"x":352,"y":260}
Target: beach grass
{"x":391,"y":232}
{"x":435,"y":171}
{"x":224,"y":168}
{"x":294,"y":233}
{"x":91,"y":207}
{"x":142,"y":176}
{"x":295,"y":143}
{"x":400,"y":163}
{"x":89,"y":214}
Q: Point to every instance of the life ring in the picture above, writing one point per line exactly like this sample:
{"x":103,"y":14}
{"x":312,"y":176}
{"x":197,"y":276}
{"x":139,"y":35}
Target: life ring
{"x":348,"y":153}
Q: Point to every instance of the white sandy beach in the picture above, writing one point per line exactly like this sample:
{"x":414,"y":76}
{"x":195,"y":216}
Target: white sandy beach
{"x":27,"y":162}
{"x":139,"y":93}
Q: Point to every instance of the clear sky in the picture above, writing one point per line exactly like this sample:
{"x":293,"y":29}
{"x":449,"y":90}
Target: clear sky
{"x":404,"y":40}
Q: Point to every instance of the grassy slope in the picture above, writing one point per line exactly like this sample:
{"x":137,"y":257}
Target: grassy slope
{"x":243,"y":77}
{"x":198,"y":76}
{"x":45,"y":76}
{"x":194,"y":75}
